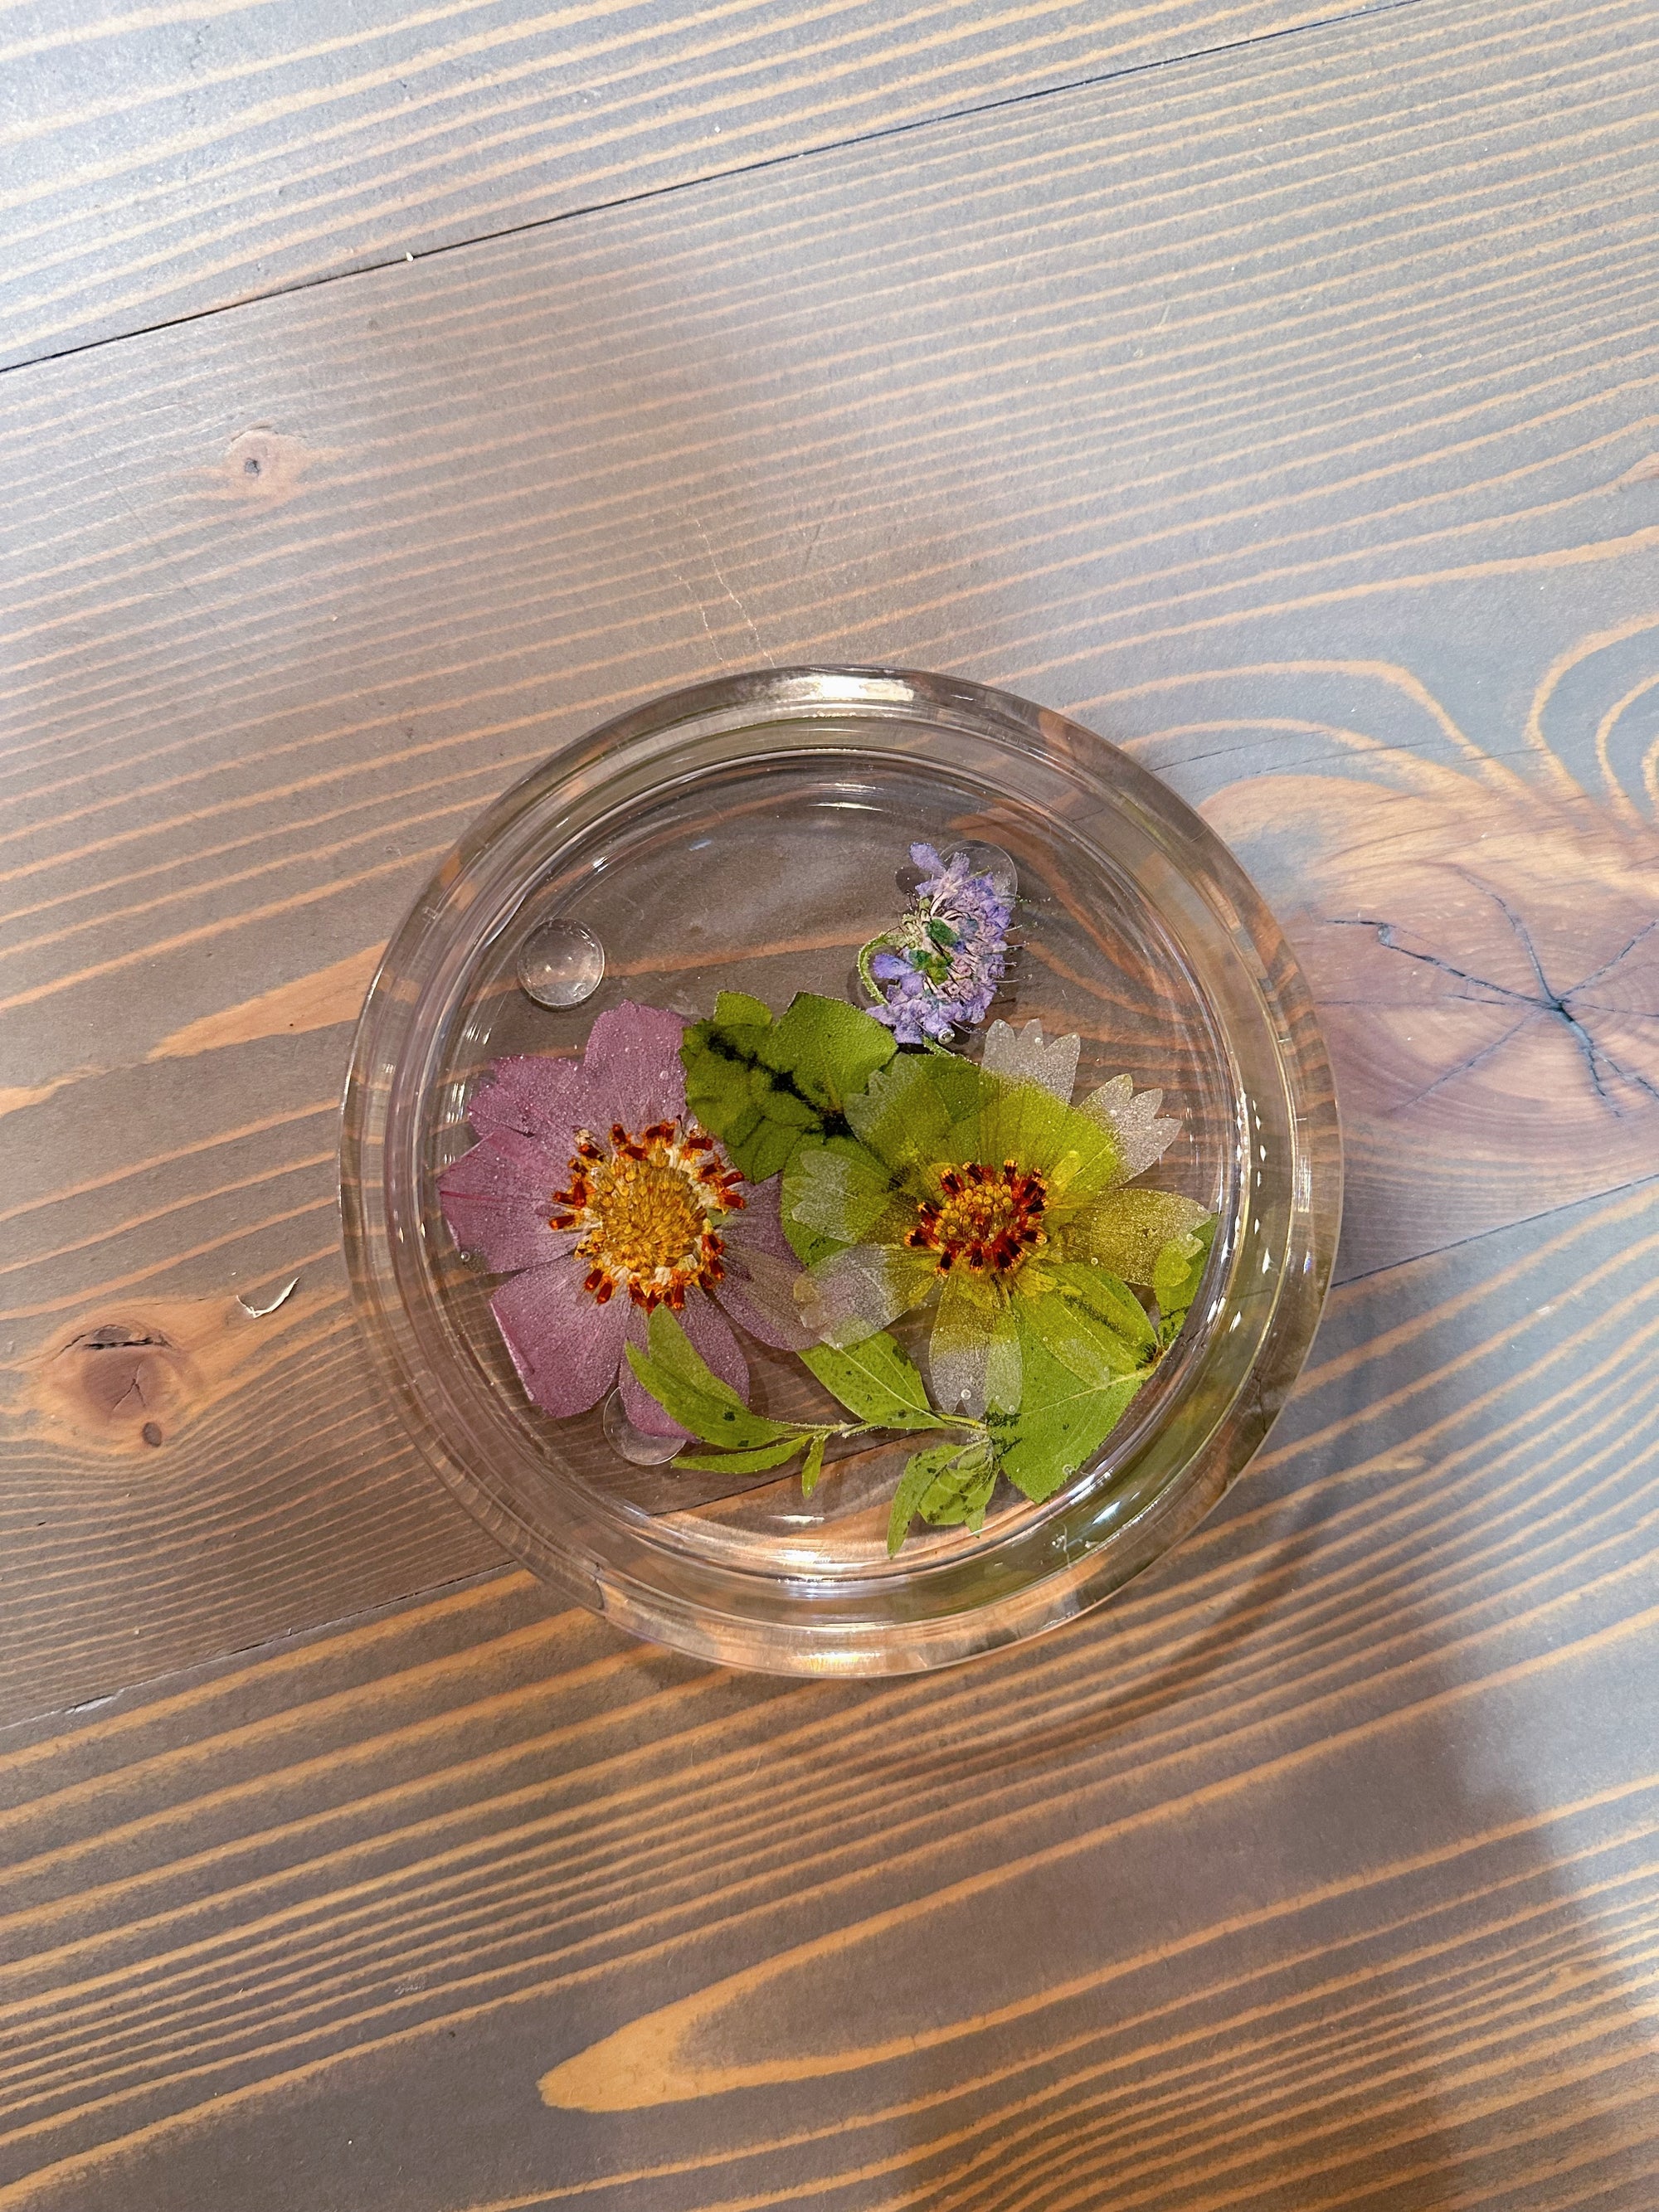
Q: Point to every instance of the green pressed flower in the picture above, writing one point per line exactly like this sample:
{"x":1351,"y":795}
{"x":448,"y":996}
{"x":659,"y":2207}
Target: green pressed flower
{"x":986,"y":1185}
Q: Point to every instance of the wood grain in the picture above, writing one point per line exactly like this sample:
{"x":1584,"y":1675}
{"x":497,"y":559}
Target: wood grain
{"x":1318,"y":1871}
{"x":164,"y":161}
{"x":1285,"y":414}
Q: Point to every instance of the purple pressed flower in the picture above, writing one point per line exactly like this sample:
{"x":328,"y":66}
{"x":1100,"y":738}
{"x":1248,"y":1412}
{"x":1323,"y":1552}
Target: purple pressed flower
{"x":938,"y":970}
{"x":593,"y":1189}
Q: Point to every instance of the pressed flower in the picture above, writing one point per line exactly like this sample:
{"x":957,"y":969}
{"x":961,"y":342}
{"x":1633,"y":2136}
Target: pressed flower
{"x":937,"y":970}
{"x":986,"y":1189}
{"x":601,"y":1199}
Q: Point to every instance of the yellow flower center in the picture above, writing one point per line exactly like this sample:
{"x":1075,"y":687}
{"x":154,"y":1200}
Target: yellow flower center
{"x":646,"y":1210}
{"x":988,"y":1219}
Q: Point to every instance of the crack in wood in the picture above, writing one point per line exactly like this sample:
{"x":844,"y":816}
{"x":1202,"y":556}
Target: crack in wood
{"x":1546,"y":1000}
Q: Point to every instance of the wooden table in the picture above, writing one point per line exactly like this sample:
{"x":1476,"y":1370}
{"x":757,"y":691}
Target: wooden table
{"x":395,"y":394}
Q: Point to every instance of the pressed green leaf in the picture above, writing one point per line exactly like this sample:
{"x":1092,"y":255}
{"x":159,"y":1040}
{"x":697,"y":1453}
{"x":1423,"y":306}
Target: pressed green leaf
{"x":765,"y":1087}
{"x":715,"y":1419}
{"x":827,"y":1049}
{"x":768,"y":1151}
{"x":739,"y":1009}
{"x":1085,"y":1347}
{"x":745,"y":1463}
{"x":920,"y":1470}
{"x":812,"y":1465}
{"x":947,"y":1485}
{"x":1061,"y":1421}
{"x":669,"y":1347}
{"x":690,"y":1393}
{"x":1106,"y":1296}
{"x":961,"y":1491}
{"x":874,"y":1381}
{"x":1170,"y":1271}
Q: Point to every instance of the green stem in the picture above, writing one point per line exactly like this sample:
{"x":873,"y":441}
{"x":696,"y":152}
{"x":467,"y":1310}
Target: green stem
{"x":877,"y":996}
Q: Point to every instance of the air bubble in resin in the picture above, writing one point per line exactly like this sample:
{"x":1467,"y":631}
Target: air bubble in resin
{"x":633,"y":1444}
{"x":560,"y":965}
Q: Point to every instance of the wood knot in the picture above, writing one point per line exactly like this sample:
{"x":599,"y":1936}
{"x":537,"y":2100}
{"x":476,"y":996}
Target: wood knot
{"x":126,"y":1386}
{"x":123,"y":1382}
{"x":263,"y":468}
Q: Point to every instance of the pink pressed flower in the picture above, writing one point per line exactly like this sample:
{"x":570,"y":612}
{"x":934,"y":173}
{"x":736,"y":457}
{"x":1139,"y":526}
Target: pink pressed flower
{"x":593,"y":1189}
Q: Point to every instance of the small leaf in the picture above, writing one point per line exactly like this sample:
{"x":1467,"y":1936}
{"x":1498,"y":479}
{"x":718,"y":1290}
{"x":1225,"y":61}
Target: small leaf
{"x":874,"y":1381}
{"x":959,"y":1493}
{"x":1178,"y":1275}
{"x":947,"y":1485}
{"x":690,"y":1393}
{"x":745,"y":1463}
{"x":668,"y":1346}
{"x":812,"y":1465}
{"x":920,"y":1470}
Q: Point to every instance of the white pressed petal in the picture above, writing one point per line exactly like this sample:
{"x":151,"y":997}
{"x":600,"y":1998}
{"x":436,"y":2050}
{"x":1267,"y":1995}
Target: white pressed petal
{"x":840,"y":1195}
{"x":1141,"y":1136}
{"x":959,"y":1350}
{"x":1125,"y":1230}
{"x":1021,"y":1056}
{"x":852,"y":1294}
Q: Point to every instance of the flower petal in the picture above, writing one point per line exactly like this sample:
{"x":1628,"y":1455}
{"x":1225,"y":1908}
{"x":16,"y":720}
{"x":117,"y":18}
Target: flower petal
{"x":1024,"y":1121}
{"x":564,"y":1344}
{"x":905,"y":1113}
{"x":761,"y":1270}
{"x":533,"y":1094}
{"x":758,"y":1293}
{"x":1021,"y":1056}
{"x":496,"y":1199}
{"x":631,"y":1071}
{"x":711,"y":1337}
{"x":959,"y":1351}
{"x":1132,"y":1117}
{"x":840,"y":1189}
{"x":758,"y":1224}
{"x":852,"y":1294}
{"x":1125,"y":1231}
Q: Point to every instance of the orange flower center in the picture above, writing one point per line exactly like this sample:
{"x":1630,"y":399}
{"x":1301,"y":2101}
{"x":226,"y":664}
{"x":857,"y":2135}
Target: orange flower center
{"x":647,"y":1210}
{"x":988,"y":1219}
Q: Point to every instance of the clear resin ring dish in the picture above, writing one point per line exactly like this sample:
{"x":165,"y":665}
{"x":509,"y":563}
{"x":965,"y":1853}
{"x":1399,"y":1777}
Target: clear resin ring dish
{"x":751,"y":835}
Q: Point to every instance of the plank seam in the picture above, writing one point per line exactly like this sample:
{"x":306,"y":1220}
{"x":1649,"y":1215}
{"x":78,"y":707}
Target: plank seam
{"x":1008,"y":102}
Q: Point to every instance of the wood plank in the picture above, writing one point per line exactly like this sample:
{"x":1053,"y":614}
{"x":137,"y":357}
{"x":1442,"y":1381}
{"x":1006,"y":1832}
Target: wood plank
{"x":1318,"y":1869}
{"x":1288,"y":416}
{"x":161,"y":163}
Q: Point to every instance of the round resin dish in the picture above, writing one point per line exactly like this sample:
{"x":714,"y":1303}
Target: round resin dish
{"x":751,"y":835}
